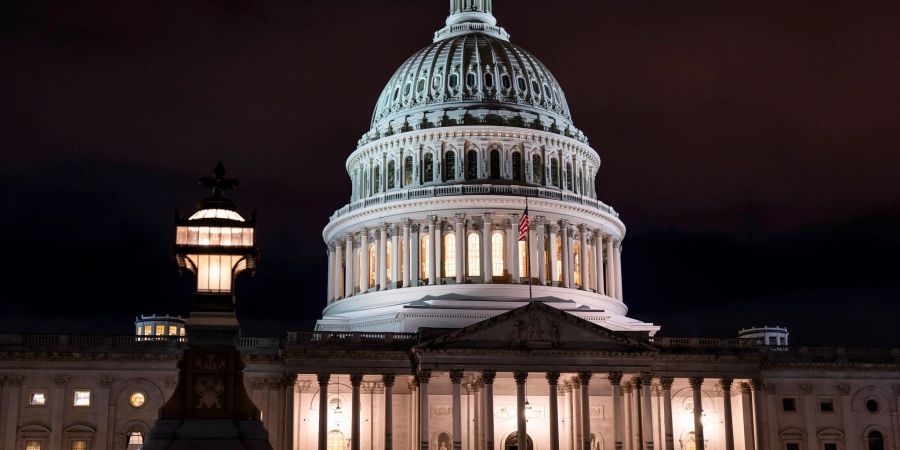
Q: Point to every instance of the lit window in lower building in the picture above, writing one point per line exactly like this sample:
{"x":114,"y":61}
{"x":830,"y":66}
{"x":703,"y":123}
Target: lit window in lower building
{"x":425,"y":258}
{"x":388,"y":262}
{"x":32,"y":445}
{"x":160,"y":330}
{"x":135,"y":438}
{"x":82,"y":398}
{"x":173,"y":330}
{"x":474,"y":260}
{"x":335,"y":440}
{"x":450,"y":255}
{"x":497,"y":254}
{"x":137,"y":399}
{"x":79,"y":445}
{"x":37,"y":398}
{"x":148,"y":330}
{"x":523,"y":259}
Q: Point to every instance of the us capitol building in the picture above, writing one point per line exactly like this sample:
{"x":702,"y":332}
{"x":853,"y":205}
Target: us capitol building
{"x":452,"y":323}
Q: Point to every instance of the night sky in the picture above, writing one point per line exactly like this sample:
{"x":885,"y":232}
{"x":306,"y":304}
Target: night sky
{"x":752,"y":148}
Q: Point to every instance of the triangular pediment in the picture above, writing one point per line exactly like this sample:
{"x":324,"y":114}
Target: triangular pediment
{"x":538,"y":326}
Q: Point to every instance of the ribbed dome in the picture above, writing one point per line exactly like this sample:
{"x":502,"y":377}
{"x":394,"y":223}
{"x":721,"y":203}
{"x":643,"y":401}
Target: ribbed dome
{"x":471,"y":74}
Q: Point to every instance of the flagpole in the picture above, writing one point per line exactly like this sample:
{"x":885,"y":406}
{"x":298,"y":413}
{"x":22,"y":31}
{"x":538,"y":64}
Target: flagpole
{"x":528,"y":251}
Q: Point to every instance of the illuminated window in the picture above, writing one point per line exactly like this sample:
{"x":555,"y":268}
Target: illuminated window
{"x":497,"y":254}
{"x":181,"y":331}
{"x":537,"y":171}
{"x":387,"y":260}
{"x":450,"y":166}
{"x":558,"y":261}
{"x":82,"y":398}
{"x":690,"y":443}
{"x":576,"y":262}
{"x":407,"y":171}
{"x":428,"y":170}
{"x":390,"y":174}
{"x":424,"y":259}
{"x":372,"y":264}
{"x":37,"y":398}
{"x":554,"y":172}
{"x":148,"y":330}
{"x":32,"y":445}
{"x":450,"y":255}
{"x":173,"y":330}
{"x":474,"y":259}
{"x":569,"y":176}
{"x":523,"y":261}
{"x":135,"y":438}
{"x":376,"y":178}
{"x":335,"y":440}
{"x":79,"y":445}
{"x":160,"y":330}
{"x":137,"y":399}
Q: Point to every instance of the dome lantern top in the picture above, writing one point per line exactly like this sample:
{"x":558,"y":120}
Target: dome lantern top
{"x":467,"y":16}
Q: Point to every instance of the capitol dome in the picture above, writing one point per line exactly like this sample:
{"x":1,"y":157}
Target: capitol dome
{"x":471,"y":74}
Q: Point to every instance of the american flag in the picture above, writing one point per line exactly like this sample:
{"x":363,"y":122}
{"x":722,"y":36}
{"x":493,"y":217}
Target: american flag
{"x":523,"y":225}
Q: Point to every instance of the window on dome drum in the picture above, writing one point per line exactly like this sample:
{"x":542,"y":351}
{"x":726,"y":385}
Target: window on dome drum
{"x":471,"y":165}
{"x":335,"y":440}
{"x":420,"y":86}
{"x":523,"y":259}
{"x":390,"y":174}
{"x":79,"y":445}
{"x":396,"y":92}
{"x":408,"y":171}
{"x":826,"y":405}
{"x":82,"y":399}
{"x":449,"y":255}
{"x":436,"y":82}
{"x":454,"y":80}
{"x":537,"y":170}
{"x":558,"y":261}
{"x":450,"y":166}
{"x":789,"y":404}
{"x":474,"y":251}
{"x":470,"y":80}
{"x":569,"y":175}
{"x":497,"y":254}
{"x":872,"y":405}
{"x":495,"y":164}
{"x":32,"y":445}
{"x":407,"y":89}
{"x":372,"y":251}
{"x":554,"y":172}
{"x":376,"y":178}
{"x":428,"y":170}
{"x":576,"y":262}
{"x":387,"y":260}
{"x":547,"y":92}
{"x":488,"y":80}
{"x":424,"y":258}
{"x":875,"y":440}
{"x":522,"y":84}
{"x":37,"y":398}
{"x":535,"y":88}
{"x":517,"y":166}
{"x":505,"y":81}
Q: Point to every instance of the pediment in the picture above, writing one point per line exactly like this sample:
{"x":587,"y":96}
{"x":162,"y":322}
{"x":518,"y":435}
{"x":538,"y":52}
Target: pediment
{"x":538,"y":326}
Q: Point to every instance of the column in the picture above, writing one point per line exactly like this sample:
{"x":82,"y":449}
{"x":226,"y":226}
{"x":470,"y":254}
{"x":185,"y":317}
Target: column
{"x":382,"y":257}
{"x":638,"y":416}
{"x":585,"y":379}
{"x":413,"y":385}
{"x":338,"y":279}
{"x":725,"y":384}
{"x":747,"y":416}
{"x":12,"y":409}
{"x":610,"y":268}
{"x":696,"y":384}
{"x":539,"y":247}
{"x":570,"y":255}
{"x":289,"y":384}
{"x":415,"y":247}
{"x":553,"y":401}
{"x":756,"y":385}
{"x":564,"y":238}
{"x":617,"y":254}
{"x":512,"y":239}
{"x":521,"y":378}
{"x":57,"y":402}
{"x":395,"y":256}
{"x":424,"y":376}
{"x":487,"y":377}
{"x":598,"y":263}
{"x":460,"y":247}
{"x":647,"y":410}
{"x":615,"y":380}
{"x":432,"y":249}
{"x":576,"y":413}
{"x":554,"y":253}
{"x":364,"y":260}
{"x":456,"y":376}
{"x":629,"y":442}
{"x":348,"y":265}
{"x":487,"y":267}
{"x":406,"y":252}
{"x":582,"y":236}
{"x":331,"y":277}
{"x":105,"y":430}
{"x":569,"y":427}
{"x":355,"y":382}
{"x":388,"y":381}
{"x":323,"y":410}
{"x":668,"y":436}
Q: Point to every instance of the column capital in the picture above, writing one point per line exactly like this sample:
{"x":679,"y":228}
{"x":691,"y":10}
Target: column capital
{"x":385,"y":227}
{"x":348,"y":238}
{"x":646,"y":378}
{"x":666,"y":383}
{"x":424,"y":375}
{"x":388,"y":379}
{"x":725,"y":383}
{"x":460,"y":217}
{"x":696,"y":383}
{"x":615,"y":377}
{"x":584,"y":377}
{"x":456,"y":376}
{"x":636,"y":382}
{"x":433,"y":219}
{"x":552,"y":377}
{"x":356,"y":379}
{"x":520,"y":376}
{"x":414,"y":227}
{"x":323,"y":378}
{"x":626,"y":388}
{"x":843,"y":389}
{"x":807,"y":388}
{"x":554,"y":228}
{"x":487,"y":376}
{"x":540,"y":220}
{"x":407,"y":223}
{"x":745,"y":387}
{"x":756,"y":384}
{"x":486,"y":217}
{"x":563,"y":223}
{"x":582,"y":228}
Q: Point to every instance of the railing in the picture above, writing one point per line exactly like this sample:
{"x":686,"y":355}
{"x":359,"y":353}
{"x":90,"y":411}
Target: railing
{"x":340,"y":337}
{"x":474,"y":189}
{"x":811,"y":353}
{"x":96,"y":341}
{"x":673,"y":342}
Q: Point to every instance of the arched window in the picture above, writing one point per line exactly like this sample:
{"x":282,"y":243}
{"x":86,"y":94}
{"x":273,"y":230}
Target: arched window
{"x":559,"y":257}
{"x":376,"y":177}
{"x":580,"y":184}
{"x":474,"y":251}
{"x":537,"y":169}
{"x":523,"y":259}
{"x":471,"y":165}
{"x":576,"y":262}
{"x":135,"y":440}
{"x":428,"y":170}
{"x":554,"y":172}
{"x":390,"y":174}
{"x":372,"y":251}
{"x":449,"y":255}
{"x":495,"y":164}
{"x":497,"y":253}
{"x":569,"y":176}
{"x":512,"y":442}
{"x":875,"y":440}
{"x":689,"y":442}
{"x":359,"y":274}
{"x":450,"y":166}
{"x":424,"y":263}
{"x":517,"y":166}
{"x":335,"y":440}
{"x":407,"y":171}
{"x":387,"y":260}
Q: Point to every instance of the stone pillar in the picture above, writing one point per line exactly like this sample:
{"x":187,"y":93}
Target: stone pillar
{"x":13,"y":397}
{"x":382,"y":257}
{"x":105,"y":429}
{"x":331,"y":276}
{"x":553,"y":402}
{"x":460,"y":247}
{"x":599,"y":286}
{"x":323,"y":410}
{"x":638,"y":437}
{"x":388,"y":381}
{"x":406,"y":252}
{"x":486,"y":256}
{"x":629,"y":441}
{"x":566,"y":249}
{"x":540,"y":267}
{"x":413,"y":424}
{"x":668,"y":436}
{"x":289,"y":385}
{"x":424,"y":376}
{"x":647,"y":410}
{"x":584,"y":379}
{"x":487,"y":377}
{"x":582,"y":242}
{"x":521,"y":378}
{"x":696,"y":385}
{"x":610,"y":269}
{"x":338,"y":279}
{"x":615,"y":380}
{"x":554,"y":253}
{"x":395,"y":256}
{"x":57,"y":402}
{"x":747,"y":416}
{"x":725,"y":384}
{"x":617,"y":254}
{"x":348,"y":266}
{"x":432,"y":249}
{"x":355,"y":382}
{"x":456,"y":376}
{"x":512,"y":238}
{"x":756,"y":385}
{"x":576,"y":414}
{"x":415,"y":247}
{"x":364,"y":260}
